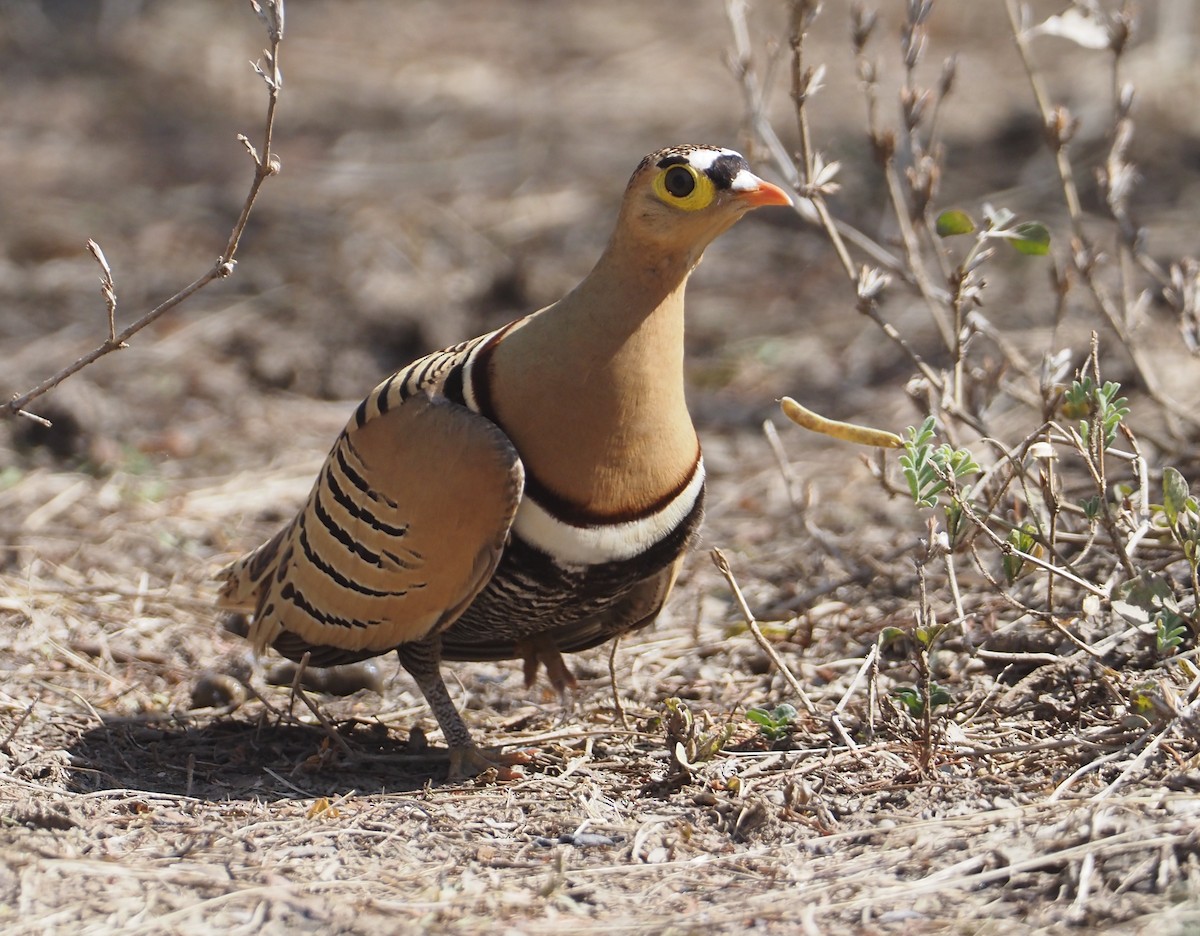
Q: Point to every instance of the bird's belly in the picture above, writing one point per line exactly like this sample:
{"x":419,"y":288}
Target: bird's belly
{"x":532,"y":593}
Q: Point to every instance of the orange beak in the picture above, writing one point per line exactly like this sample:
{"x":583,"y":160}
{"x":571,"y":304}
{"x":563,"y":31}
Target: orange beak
{"x":765,"y":193}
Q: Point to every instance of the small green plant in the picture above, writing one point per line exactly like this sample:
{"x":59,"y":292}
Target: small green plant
{"x":1181,"y":509}
{"x":773,"y":724}
{"x":1179,"y":514}
{"x":1091,"y":507}
{"x":1086,"y":402}
{"x":926,"y":466}
{"x":1023,"y":538}
{"x":1169,"y":631}
{"x":927,"y":634}
{"x":913,"y":699}
{"x":1149,"y":599}
{"x":1055,"y":523}
{"x":687,"y":745}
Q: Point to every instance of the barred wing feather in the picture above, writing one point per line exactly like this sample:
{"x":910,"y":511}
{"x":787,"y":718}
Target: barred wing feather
{"x":403,"y":528}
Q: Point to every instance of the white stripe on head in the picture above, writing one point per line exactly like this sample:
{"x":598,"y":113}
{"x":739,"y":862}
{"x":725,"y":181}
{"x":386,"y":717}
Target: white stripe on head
{"x":702,"y":159}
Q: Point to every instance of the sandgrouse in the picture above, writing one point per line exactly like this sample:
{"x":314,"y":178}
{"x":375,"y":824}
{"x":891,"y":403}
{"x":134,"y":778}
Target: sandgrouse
{"x":524,"y":494}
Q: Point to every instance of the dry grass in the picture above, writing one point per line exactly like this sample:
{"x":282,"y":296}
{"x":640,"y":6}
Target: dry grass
{"x":446,"y":166}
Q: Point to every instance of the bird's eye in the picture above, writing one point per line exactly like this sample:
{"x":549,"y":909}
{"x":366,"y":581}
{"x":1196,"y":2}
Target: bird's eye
{"x":679,"y":181}
{"x":684,"y":187}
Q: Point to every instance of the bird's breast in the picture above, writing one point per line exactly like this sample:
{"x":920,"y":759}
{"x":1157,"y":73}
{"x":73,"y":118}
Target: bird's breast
{"x":571,"y":537}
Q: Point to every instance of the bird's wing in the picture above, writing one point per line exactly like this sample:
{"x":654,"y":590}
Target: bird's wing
{"x":401,"y":531}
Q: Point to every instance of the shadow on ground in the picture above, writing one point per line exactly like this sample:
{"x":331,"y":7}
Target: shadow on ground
{"x":237,"y":758}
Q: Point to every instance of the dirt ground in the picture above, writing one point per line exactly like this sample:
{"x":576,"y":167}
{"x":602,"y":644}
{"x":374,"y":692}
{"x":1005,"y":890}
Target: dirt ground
{"x":448,"y":166}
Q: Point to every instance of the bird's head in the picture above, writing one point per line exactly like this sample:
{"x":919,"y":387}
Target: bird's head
{"x":681,"y":198}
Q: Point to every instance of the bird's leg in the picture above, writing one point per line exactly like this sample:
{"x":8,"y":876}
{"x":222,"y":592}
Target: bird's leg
{"x":422,"y":660}
{"x":541,"y":650}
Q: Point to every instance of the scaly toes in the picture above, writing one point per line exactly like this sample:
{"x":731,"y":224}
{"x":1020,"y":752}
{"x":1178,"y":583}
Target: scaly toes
{"x":471,"y":761}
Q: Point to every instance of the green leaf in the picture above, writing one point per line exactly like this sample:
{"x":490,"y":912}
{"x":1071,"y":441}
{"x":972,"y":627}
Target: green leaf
{"x":1169,"y":631}
{"x":1031,"y":238}
{"x":953,"y":222}
{"x":1175,"y":494}
{"x":938,"y":696}
{"x":956,"y":525}
{"x":1079,"y":399}
{"x":1140,"y":600}
{"x":890,"y":635}
{"x":772,"y":725}
{"x":1024,"y":539}
{"x":784,"y":713}
{"x":1085,"y":399}
{"x":911,"y":699}
{"x":961,"y":461}
{"x":921,"y":462}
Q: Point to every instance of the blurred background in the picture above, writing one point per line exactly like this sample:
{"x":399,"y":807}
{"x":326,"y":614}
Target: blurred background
{"x":450,"y":165}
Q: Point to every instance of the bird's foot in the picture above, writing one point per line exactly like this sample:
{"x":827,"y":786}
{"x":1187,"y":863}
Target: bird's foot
{"x":542,"y":651}
{"x":469,"y":761}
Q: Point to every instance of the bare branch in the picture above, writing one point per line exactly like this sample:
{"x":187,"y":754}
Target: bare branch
{"x":266,"y":165}
{"x":752,"y":89}
{"x":1059,"y":128}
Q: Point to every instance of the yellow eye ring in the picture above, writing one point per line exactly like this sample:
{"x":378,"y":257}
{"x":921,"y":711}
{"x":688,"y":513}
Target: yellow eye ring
{"x":684,"y":187}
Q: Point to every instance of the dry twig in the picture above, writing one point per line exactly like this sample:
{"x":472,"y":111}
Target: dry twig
{"x":723,"y":567}
{"x":266,"y":165}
